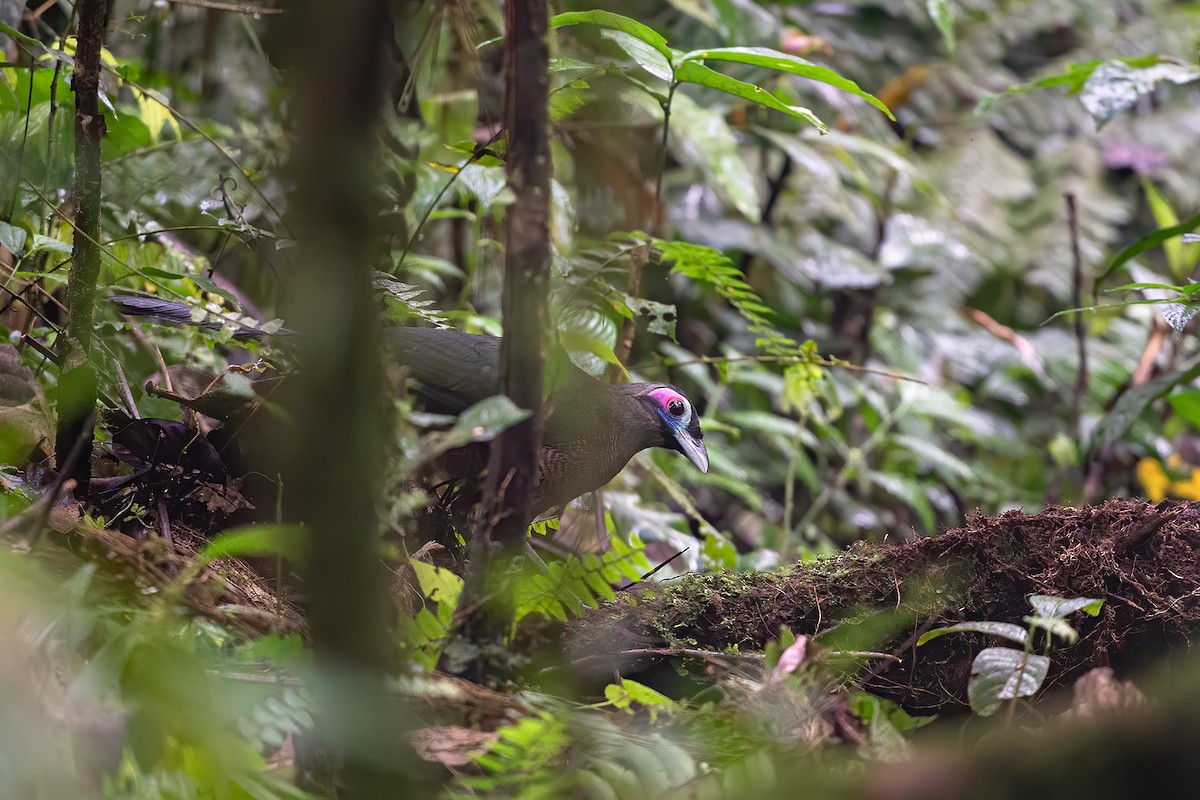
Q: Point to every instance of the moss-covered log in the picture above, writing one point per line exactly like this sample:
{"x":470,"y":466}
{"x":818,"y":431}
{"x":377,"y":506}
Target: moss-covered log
{"x":1140,"y":558}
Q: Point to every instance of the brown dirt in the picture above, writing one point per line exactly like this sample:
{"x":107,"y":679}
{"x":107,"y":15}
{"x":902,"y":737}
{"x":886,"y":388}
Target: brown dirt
{"x":1140,"y":558}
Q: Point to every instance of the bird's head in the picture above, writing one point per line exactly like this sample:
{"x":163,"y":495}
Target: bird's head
{"x":679,"y":424}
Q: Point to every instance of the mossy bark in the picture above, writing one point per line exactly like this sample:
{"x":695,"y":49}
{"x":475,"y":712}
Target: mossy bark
{"x":1138,"y":557}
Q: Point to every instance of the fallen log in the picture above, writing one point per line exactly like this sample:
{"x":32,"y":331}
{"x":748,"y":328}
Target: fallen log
{"x":1140,"y":558}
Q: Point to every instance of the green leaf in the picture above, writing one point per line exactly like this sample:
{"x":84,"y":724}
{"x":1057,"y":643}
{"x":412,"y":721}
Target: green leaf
{"x":616,"y":694}
{"x":1047,"y":606}
{"x":163,"y":274}
{"x":1134,"y":403}
{"x":645,"y":57}
{"x":588,"y":335}
{"x":697,"y":73}
{"x":700,"y":135}
{"x":1149,"y":242}
{"x":1181,"y":255}
{"x":49,"y":244}
{"x":439,"y":585}
{"x":615,"y":22}
{"x":1186,"y":405}
{"x":1073,"y":76}
{"x":28,"y":41}
{"x":289,"y":541}
{"x":1054,"y":626}
{"x":1002,"y":673}
{"x":1005,"y":629}
{"x":481,"y":422}
{"x":1129,"y":287}
{"x":645,"y":695}
{"x":660,"y":317}
{"x":942,"y":15}
{"x":718,"y":552}
{"x":12,"y":237}
{"x":782,"y":62}
{"x":911,"y":492}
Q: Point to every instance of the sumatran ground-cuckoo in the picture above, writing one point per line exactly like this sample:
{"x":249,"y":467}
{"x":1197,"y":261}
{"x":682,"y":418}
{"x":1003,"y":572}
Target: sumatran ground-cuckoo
{"x":591,"y":429}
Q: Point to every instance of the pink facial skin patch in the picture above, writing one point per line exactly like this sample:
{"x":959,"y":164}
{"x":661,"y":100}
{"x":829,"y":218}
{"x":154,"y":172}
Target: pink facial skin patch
{"x":664,"y":396}
{"x":673,"y":406}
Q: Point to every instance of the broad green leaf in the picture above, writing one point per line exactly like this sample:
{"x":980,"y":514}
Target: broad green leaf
{"x":911,"y":493}
{"x":163,"y":274}
{"x":697,"y":10}
{"x":697,"y":73}
{"x":645,"y":695}
{"x":1143,"y":285}
{"x":615,"y":22}
{"x":1181,"y":254}
{"x":1002,"y":673}
{"x":701,"y":136}
{"x":439,"y":585}
{"x":1134,"y":403}
{"x":588,"y":336}
{"x":644,"y":55}
{"x":783,"y":62}
{"x":718,"y":552}
{"x":290,"y":541}
{"x":49,"y":244}
{"x":1005,"y":629}
{"x":12,"y":237}
{"x":1047,"y":606}
{"x":155,"y":111}
{"x":1186,"y":405}
{"x":481,"y":422}
{"x":1149,"y":242}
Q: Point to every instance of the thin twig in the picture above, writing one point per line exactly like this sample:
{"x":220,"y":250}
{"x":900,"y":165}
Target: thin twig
{"x":650,"y":574}
{"x":1081,"y":380}
{"x":235,"y":8}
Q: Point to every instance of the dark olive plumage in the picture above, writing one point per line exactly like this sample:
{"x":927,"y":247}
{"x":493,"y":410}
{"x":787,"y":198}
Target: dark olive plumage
{"x":591,"y":430}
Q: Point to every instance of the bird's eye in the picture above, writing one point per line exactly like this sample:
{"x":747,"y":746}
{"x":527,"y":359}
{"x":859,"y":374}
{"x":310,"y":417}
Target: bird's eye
{"x":676,"y":408}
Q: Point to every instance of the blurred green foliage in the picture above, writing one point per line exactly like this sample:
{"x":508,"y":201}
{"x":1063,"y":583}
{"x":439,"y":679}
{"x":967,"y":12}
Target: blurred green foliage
{"x":860,"y":266}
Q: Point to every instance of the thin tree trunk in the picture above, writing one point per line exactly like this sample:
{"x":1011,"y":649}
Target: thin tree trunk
{"x":77,"y":386}
{"x":485,"y":603}
{"x":513,"y":467}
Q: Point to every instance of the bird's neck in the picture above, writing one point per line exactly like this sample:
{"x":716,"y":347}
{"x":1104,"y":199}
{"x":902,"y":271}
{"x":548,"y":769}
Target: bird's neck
{"x":590,"y":437}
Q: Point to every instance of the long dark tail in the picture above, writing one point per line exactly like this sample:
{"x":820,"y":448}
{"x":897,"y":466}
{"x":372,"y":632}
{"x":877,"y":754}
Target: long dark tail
{"x":173,"y":313}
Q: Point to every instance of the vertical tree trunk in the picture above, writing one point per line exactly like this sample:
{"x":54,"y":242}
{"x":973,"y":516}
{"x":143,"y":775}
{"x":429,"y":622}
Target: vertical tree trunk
{"x":335,"y":454}
{"x":513,"y":466}
{"x":77,"y":386}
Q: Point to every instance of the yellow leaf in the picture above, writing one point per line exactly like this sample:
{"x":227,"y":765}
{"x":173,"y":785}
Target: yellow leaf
{"x":1154,"y":481}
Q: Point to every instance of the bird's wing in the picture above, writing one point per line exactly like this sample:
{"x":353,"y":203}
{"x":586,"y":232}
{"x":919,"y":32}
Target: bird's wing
{"x":455,"y":369}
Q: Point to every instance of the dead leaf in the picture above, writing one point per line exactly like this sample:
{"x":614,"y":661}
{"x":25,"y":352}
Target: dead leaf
{"x":450,"y":745}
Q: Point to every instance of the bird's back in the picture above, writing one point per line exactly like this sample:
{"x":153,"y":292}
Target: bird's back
{"x":455,"y":369}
